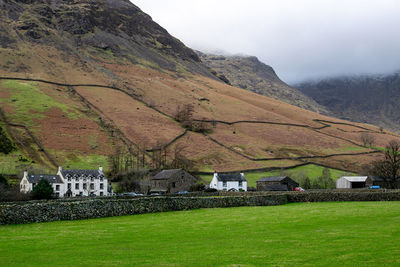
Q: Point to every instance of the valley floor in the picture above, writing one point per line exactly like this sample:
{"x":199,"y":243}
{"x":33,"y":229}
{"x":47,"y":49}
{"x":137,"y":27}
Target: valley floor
{"x":330,"y":234}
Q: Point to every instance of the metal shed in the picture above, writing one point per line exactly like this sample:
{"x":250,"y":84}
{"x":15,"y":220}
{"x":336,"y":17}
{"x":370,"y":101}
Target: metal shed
{"x":347,"y":182}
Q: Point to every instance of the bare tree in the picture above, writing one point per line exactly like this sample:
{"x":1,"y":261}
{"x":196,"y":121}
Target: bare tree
{"x":367,"y":139}
{"x":389,"y":167}
{"x":159,"y":155}
{"x":184,"y":115}
{"x":179,"y":160}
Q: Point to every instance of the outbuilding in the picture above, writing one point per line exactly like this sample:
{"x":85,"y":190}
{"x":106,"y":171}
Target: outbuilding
{"x":276,"y":183}
{"x":348,"y":182}
{"x":172,"y":181}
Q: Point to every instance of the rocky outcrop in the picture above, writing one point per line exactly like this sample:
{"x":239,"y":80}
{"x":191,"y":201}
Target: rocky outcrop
{"x":250,"y":74}
{"x":116,"y":25}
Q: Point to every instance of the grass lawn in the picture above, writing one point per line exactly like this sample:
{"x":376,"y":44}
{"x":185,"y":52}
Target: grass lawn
{"x":312,"y":171}
{"x":329,"y":234}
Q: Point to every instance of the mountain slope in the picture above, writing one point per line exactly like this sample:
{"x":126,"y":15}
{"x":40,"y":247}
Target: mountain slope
{"x":370,"y":99}
{"x":80,"y":80}
{"x":250,"y":74}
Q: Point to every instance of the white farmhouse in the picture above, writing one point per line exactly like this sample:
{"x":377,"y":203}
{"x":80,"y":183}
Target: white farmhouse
{"x":71,"y":183}
{"x":229,"y":182}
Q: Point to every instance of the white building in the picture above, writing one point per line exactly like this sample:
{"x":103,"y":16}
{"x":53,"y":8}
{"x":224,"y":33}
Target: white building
{"x":346,"y":182}
{"x":229,"y":182}
{"x":70,"y":183}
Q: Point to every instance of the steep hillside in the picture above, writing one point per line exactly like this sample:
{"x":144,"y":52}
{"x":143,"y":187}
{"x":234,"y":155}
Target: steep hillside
{"x":250,"y":74}
{"x":369,"y":99}
{"x":80,"y":79}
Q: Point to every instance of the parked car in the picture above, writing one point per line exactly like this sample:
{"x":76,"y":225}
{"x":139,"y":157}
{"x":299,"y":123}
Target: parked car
{"x":132,"y":194}
{"x":182,"y":192}
{"x":299,"y":189}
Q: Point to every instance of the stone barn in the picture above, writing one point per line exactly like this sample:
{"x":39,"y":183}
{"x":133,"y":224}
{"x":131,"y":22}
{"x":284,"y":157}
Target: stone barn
{"x":348,"y":182}
{"x":276,"y":183}
{"x":172,"y":181}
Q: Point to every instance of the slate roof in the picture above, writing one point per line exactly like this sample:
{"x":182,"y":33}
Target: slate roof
{"x":94,"y":173}
{"x":167,"y":174}
{"x":273,"y":179}
{"x":230,"y":177}
{"x":35,"y":178}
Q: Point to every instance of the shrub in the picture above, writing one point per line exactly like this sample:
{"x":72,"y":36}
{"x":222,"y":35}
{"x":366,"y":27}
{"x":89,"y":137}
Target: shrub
{"x":210,"y":190}
{"x":43,"y":190}
{"x":197,"y":188}
{"x":6,"y":146}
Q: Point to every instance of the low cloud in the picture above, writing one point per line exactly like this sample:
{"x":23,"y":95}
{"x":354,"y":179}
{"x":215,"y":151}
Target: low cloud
{"x":301,"y":39}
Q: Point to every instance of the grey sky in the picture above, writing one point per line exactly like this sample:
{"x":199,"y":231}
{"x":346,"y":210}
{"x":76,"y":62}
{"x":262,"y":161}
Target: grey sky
{"x":300,"y":39}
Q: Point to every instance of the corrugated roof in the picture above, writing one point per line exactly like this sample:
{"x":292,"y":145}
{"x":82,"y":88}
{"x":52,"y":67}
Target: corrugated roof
{"x":230,"y":177}
{"x":355,"y":178}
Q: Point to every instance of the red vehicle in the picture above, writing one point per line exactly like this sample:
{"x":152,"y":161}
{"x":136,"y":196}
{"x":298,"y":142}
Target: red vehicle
{"x":298,"y":189}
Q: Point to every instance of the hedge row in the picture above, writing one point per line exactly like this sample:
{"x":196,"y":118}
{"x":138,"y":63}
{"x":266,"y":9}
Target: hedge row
{"x":321,"y":196}
{"x":31,"y":212}
{"x":86,"y":208}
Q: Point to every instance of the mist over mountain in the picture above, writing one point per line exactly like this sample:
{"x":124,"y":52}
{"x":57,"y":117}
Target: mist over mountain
{"x":365,"y":98}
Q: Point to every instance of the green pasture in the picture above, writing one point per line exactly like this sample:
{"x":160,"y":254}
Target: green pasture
{"x":29,"y":102}
{"x":303,"y":234}
{"x":311,"y":171}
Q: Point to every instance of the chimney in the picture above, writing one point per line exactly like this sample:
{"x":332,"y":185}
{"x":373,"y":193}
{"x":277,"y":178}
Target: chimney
{"x":101,"y":168}
{"x":25,"y":173}
{"x":59,"y":168}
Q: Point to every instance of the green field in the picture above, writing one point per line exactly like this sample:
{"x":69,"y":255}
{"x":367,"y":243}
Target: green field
{"x":328,"y":234}
{"x":311,"y":171}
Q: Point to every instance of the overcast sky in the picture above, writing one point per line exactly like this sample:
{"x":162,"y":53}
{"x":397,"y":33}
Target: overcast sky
{"x":300,"y":39}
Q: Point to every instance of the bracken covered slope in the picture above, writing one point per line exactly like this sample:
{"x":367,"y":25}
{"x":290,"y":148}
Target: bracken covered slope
{"x":80,"y":78}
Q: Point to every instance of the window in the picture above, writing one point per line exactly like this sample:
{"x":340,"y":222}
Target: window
{"x":101,"y":178}
{"x":57,"y":194}
{"x":69,"y":185}
{"x":76,"y":186}
{"x":81,"y":193}
{"x":240,"y":184}
{"x":91,"y":186}
{"x":58,"y":187}
{"x":101,"y":186}
{"x":91,"y":179}
{"x":101,"y":194}
{"x":69,"y":179}
{"x":224,"y":184}
{"x":84,"y":186}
